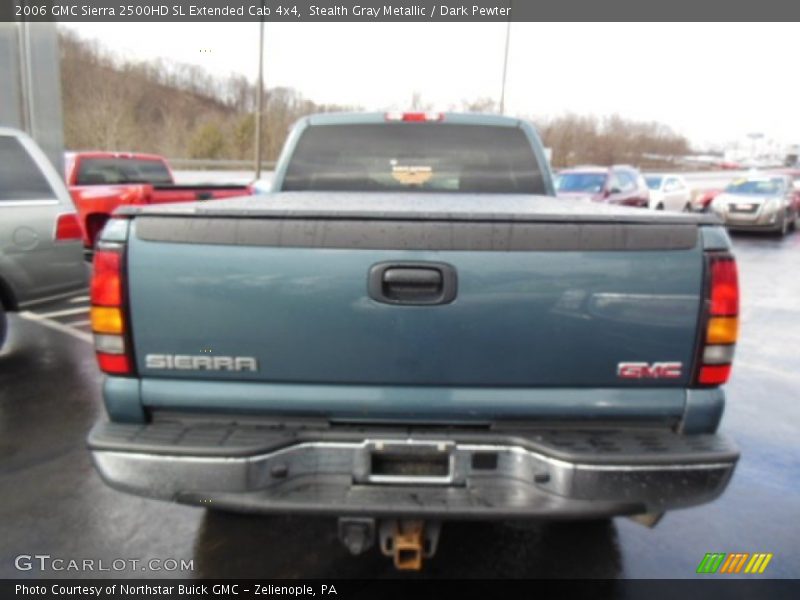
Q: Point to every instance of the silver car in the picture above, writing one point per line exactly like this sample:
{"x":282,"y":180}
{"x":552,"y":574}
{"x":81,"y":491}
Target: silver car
{"x":758,"y":202}
{"x":41,"y":254}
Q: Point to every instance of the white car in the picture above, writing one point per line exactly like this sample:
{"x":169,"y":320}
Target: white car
{"x":669,"y":192}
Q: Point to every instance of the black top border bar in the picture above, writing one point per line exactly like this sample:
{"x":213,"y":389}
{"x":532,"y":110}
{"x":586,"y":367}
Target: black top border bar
{"x":368,"y":11}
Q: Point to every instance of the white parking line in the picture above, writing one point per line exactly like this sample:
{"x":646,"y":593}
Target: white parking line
{"x":78,"y":323}
{"x":81,"y":335}
{"x":66,"y":312}
{"x":77,"y":299}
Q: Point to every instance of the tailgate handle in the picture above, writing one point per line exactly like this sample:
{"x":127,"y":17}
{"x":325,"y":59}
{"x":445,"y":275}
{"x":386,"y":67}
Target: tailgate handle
{"x":412,"y":283}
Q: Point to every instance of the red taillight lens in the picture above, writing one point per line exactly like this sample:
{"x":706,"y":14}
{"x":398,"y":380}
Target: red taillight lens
{"x":114,"y":364}
{"x":714,"y":374}
{"x":721,"y":321}
{"x":68,"y":228}
{"x":112,"y":342}
{"x":724,"y":287}
{"x":106,"y":279}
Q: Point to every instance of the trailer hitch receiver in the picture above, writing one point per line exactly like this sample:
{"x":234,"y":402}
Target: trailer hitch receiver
{"x":408,"y":542}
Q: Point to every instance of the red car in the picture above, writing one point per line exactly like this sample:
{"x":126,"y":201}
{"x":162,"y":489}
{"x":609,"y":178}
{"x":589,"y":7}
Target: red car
{"x":618,"y":184}
{"x":99,"y":182}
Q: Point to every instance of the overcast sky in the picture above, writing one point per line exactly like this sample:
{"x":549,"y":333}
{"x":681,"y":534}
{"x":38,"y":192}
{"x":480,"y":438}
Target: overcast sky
{"x":713,"y":82}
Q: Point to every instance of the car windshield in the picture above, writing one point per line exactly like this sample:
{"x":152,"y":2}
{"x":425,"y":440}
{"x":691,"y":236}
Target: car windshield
{"x":414,"y":157}
{"x":580,"y":182}
{"x":105,"y":171}
{"x":654,"y":183}
{"x":760,"y":187}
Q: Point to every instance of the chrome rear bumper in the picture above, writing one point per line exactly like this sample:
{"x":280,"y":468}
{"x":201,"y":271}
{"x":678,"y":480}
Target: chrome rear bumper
{"x":429,"y":474}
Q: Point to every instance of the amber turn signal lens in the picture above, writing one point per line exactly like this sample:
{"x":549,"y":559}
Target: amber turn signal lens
{"x":722,"y":330}
{"x":106,"y":319}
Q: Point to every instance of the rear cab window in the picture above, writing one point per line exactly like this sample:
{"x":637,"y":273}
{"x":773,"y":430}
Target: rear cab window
{"x":414,"y":157}
{"x":110,"y":171}
{"x":20,"y":177}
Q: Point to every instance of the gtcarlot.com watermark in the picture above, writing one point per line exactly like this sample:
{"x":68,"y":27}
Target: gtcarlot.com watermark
{"x":46,"y":562}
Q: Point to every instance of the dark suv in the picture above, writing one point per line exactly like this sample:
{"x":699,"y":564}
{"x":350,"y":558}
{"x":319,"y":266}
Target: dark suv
{"x":618,"y":184}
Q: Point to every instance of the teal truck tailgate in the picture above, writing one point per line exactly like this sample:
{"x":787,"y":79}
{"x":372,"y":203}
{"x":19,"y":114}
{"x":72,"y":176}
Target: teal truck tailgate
{"x":355,"y":298}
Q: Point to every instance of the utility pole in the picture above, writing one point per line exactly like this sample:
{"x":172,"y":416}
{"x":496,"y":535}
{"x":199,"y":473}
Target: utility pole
{"x":260,"y":96}
{"x":505,"y":70}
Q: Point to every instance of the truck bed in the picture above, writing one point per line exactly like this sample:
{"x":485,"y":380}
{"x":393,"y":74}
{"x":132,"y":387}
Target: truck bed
{"x":422,"y":207}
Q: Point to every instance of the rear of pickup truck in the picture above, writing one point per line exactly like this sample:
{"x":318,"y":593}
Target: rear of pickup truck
{"x":413,"y":355}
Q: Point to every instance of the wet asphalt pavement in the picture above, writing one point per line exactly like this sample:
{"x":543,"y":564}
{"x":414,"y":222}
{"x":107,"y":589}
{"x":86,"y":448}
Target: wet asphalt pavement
{"x":54,"y":503}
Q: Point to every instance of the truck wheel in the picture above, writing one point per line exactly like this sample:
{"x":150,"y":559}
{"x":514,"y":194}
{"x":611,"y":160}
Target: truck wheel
{"x":3,"y":325}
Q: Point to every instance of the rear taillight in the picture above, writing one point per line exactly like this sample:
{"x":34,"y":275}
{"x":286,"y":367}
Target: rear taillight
{"x":721,"y":321}
{"x":68,"y":228}
{"x":414,"y":116}
{"x":108,"y":315}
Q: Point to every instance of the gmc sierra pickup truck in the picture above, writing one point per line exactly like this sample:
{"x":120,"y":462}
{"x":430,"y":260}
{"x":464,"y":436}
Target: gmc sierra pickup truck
{"x":99,"y":182}
{"x":411,"y":328}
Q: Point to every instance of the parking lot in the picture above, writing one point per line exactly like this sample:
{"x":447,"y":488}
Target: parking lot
{"x":55,"y":503}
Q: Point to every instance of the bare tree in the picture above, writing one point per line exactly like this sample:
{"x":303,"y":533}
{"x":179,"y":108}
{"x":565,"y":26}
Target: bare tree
{"x":111,"y":103}
{"x":167,"y":108}
{"x":577,"y":139}
{"x":480,"y":105}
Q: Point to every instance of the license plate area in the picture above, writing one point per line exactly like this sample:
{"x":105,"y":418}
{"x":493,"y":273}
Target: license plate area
{"x":408,"y":463}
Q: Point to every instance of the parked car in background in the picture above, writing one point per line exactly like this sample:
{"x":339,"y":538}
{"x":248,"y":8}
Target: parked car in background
{"x":101,"y":181}
{"x":767,"y":202}
{"x":619,"y":184}
{"x":40,"y":238}
{"x":669,"y":192}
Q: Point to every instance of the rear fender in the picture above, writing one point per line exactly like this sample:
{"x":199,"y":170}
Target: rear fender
{"x":96,"y":203}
